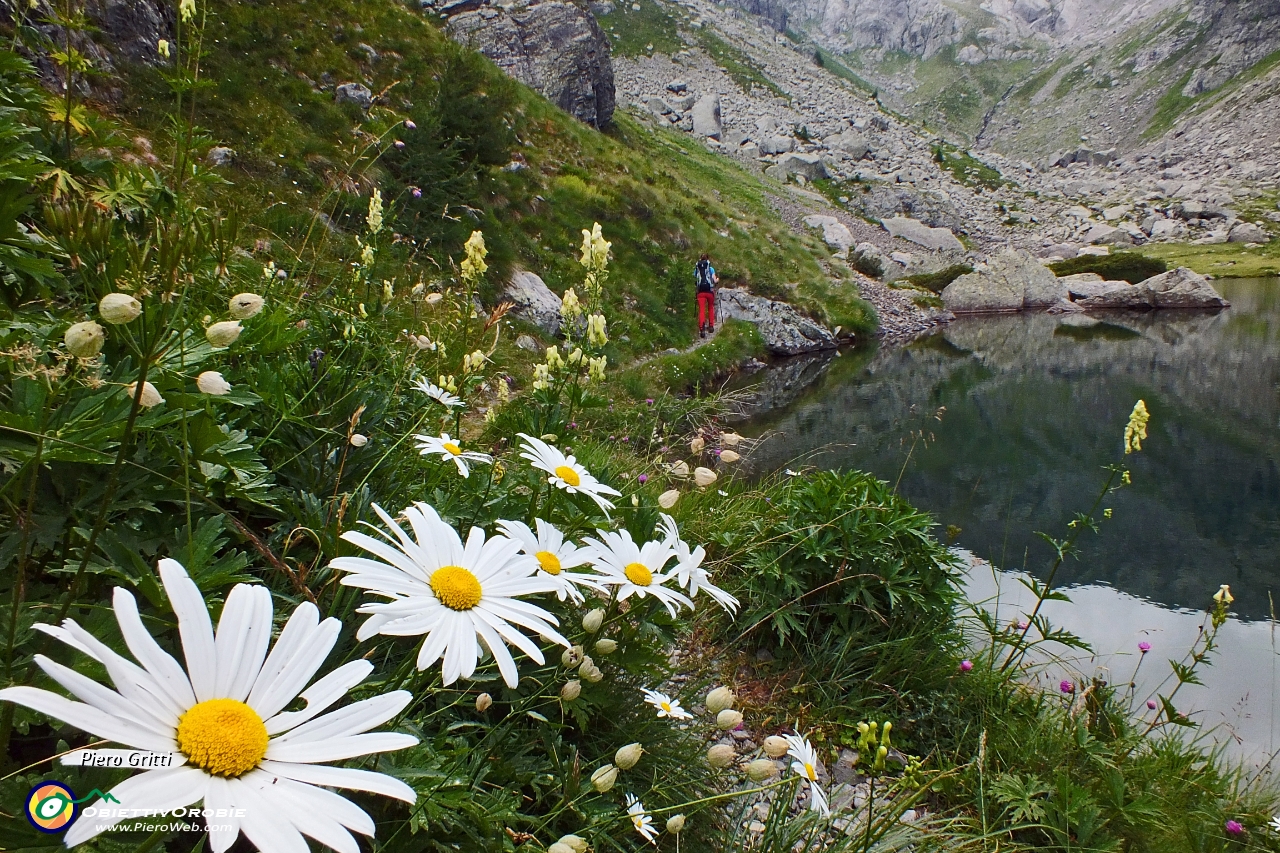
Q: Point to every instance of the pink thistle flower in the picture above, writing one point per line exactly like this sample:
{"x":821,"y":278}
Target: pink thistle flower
{"x":416,"y":193}
{"x":1234,"y":827}
{"x":1066,"y":686}
{"x":1151,"y":704}
{"x":642,"y":479}
{"x":1144,"y":647}
{"x":966,"y":665}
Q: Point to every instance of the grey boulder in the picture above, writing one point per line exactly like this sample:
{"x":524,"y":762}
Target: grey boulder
{"x":921,"y":234}
{"x":784,"y":329}
{"x":1177,"y":288}
{"x":706,"y":117}
{"x":1247,"y":232}
{"x":533,"y":301}
{"x":834,"y":232}
{"x":353,"y":93}
{"x":1010,"y":281}
{"x":808,"y":166}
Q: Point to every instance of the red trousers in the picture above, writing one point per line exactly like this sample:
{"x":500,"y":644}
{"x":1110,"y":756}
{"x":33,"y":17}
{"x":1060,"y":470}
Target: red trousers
{"x":706,"y":310}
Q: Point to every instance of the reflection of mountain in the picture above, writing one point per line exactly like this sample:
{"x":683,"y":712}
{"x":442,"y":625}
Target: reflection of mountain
{"x":1035,"y":406}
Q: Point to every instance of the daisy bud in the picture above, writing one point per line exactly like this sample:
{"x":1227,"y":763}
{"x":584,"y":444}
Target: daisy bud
{"x":668,"y":499}
{"x":245,"y":305}
{"x":593,"y":620}
{"x":697,"y":444}
{"x":358,"y":440}
{"x":223,"y":334}
{"x":119,"y":308}
{"x":571,"y":656}
{"x":680,"y":469}
{"x":729,"y":456}
{"x":571,"y":690}
{"x":721,"y":755}
{"x":776,"y":747}
{"x":704,"y":476}
{"x":719,"y":699}
{"x":729,"y":719}
{"x":675,"y":823}
{"x":574,"y":843}
{"x":211,"y":382}
{"x":604,"y":778}
{"x":730,"y":439}
{"x":150,"y":396}
{"x":761,"y":769}
{"x":84,"y":340}
{"x":627,"y":756}
{"x":606,"y":647}
{"x":483,"y":702}
{"x":560,"y":848}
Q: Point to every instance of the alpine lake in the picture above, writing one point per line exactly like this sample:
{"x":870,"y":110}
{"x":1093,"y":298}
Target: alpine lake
{"x":1002,"y":427}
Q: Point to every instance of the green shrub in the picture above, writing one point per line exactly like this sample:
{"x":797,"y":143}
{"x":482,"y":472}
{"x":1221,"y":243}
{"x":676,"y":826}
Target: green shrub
{"x":1132,"y":267}
{"x":938,"y":281}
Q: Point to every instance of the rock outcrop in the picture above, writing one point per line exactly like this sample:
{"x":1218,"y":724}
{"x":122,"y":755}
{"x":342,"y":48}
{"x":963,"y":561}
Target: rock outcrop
{"x":1177,"y":288}
{"x":938,"y":239}
{"x":553,"y":46}
{"x":785,"y":330}
{"x":534,"y":301}
{"x":835,"y":233}
{"x":1010,"y":281}
{"x":706,"y":117}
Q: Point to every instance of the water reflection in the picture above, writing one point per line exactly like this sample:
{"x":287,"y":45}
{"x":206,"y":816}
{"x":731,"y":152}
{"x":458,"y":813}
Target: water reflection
{"x":1001,"y":427}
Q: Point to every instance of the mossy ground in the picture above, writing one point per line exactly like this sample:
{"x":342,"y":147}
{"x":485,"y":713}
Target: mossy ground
{"x":1224,"y":260}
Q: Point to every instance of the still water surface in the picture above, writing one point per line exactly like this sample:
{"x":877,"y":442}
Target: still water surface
{"x":1001,"y":426}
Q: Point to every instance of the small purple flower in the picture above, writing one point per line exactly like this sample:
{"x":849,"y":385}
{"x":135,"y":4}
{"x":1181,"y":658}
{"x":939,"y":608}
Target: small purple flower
{"x":966,"y":665}
{"x":1066,"y":686}
{"x":1234,"y":827}
{"x":663,"y":449}
{"x":612,"y":438}
{"x":399,"y":144}
{"x":649,"y":400}
{"x":716,"y":451}
{"x":1144,"y":647}
{"x":626,"y":439}
{"x":416,"y":193}
{"x":1151,"y":704}
{"x":408,"y":123}
{"x":642,"y":479}
{"x":1022,"y":624}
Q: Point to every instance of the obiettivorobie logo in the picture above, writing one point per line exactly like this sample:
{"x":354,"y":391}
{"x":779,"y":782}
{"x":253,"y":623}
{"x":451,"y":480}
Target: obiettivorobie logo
{"x":51,"y":806}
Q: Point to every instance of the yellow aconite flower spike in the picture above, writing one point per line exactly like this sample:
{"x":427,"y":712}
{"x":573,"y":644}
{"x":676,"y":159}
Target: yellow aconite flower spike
{"x":1136,"y":430}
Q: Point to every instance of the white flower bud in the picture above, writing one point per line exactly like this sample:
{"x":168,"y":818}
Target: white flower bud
{"x":223,"y":334}
{"x":729,"y":719}
{"x":776,"y":747}
{"x":245,"y":305}
{"x":150,"y":396}
{"x":697,"y":444}
{"x":719,"y":699}
{"x":571,"y":656}
{"x":212,"y":383}
{"x":729,"y":456}
{"x":680,"y":469}
{"x":721,"y":755}
{"x":593,"y":620}
{"x":483,"y":702}
{"x":761,"y":769}
{"x":557,"y":847}
{"x":668,"y":499}
{"x":730,"y":439}
{"x":434,"y":298}
{"x":119,"y":308}
{"x":571,"y":690}
{"x":675,"y":823}
{"x":84,"y":340}
{"x":604,"y":778}
{"x":358,"y":440}
{"x":606,"y":647}
{"x":704,"y":476}
{"x":627,"y":756}
{"x":574,"y":843}
{"x":591,"y":672}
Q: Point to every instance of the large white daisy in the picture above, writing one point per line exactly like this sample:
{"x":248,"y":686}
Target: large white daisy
{"x":440,"y":395}
{"x":459,"y":597}
{"x":641,"y":819}
{"x":566,"y":473}
{"x":635,"y":570}
{"x":222,"y":720}
{"x":555,"y":556}
{"x":689,"y":572}
{"x":667,"y":707}
{"x":806,"y":767}
{"x":450,"y":451}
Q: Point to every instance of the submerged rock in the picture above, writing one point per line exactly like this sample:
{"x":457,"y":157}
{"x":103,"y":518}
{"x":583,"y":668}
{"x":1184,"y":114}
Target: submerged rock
{"x":785,"y":330}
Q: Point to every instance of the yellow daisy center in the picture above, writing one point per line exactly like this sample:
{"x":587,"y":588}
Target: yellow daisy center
{"x":810,"y":773}
{"x":223,"y":737}
{"x":638,"y":574}
{"x":570,"y":476}
{"x":456,"y":587}
{"x":452,"y":448}
{"x":550,"y":562}
{"x":637,"y":820}
{"x":666,"y":706}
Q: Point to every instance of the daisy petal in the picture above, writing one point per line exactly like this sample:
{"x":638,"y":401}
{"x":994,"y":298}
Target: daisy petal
{"x":86,"y":718}
{"x":155,"y":790}
{"x":337,"y":749}
{"x":194,"y":626}
{"x":343,"y":777}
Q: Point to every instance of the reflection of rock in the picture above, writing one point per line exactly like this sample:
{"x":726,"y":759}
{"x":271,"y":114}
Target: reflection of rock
{"x":534,"y":301}
{"x":785,"y":330}
{"x":786,"y":380}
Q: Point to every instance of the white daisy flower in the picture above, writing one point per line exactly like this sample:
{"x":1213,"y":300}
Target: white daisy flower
{"x":806,"y":767}
{"x":667,"y":707}
{"x":635,"y":570}
{"x":689,"y":572}
{"x":641,"y":819}
{"x":223,"y":719}
{"x":450,"y":450}
{"x":565,"y":472}
{"x":1275,"y":823}
{"x":440,"y":395}
{"x":554,"y":556}
{"x":457,"y":596}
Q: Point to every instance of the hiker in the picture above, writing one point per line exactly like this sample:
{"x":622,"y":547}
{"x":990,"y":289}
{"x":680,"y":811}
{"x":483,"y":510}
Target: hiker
{"x":704,"y":275}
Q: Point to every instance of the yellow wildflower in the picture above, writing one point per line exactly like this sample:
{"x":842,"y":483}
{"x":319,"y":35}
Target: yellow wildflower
{"x":1136,"y":430}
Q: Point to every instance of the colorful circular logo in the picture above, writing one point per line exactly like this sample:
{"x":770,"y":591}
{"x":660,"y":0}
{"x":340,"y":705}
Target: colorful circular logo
{"x":51,"y":806}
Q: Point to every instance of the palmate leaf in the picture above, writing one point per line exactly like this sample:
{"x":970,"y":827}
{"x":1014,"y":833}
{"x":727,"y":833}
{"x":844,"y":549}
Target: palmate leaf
{"x":1172,"y":714}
